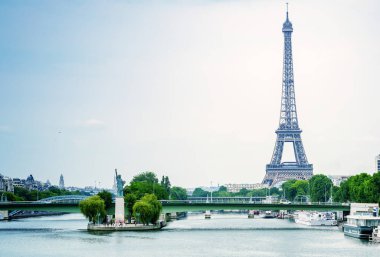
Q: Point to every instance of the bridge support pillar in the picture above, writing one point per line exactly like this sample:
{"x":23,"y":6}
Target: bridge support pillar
{"x":119,"y":210}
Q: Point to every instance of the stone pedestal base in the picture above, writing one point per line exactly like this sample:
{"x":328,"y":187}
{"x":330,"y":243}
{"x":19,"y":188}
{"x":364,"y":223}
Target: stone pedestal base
{"x":119,"y":209}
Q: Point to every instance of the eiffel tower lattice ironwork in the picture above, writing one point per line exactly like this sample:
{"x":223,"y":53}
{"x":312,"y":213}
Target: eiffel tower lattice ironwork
{"x":288,"y":131}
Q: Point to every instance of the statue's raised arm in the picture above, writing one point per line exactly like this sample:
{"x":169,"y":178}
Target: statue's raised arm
{"x":120,"y":184}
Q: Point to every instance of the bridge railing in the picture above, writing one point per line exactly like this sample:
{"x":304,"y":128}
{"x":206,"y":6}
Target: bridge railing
{"x":219,"y":201}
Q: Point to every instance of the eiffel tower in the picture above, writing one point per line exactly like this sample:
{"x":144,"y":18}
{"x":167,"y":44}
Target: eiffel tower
{"x":288,"y":130}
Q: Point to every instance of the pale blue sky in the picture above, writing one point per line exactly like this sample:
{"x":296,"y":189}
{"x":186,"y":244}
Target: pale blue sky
{"x":189,"y":89}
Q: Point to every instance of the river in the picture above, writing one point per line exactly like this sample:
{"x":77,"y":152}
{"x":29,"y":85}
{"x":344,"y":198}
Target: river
{"x":230,"y":235}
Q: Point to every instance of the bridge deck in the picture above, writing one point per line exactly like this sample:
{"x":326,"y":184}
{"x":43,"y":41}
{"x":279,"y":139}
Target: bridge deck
{"x":179,"y":206}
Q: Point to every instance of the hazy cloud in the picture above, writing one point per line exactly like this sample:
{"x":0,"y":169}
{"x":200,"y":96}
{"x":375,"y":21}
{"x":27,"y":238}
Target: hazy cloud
{"x":4,"y":128}
{"x":93,"y":123}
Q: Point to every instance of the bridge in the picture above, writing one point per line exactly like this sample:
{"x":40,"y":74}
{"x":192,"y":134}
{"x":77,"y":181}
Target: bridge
{"x":69,"y":204}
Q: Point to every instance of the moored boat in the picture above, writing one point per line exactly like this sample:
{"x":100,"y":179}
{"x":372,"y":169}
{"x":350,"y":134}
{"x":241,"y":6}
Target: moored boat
{"x":268,"y":215}
{"x":316,"y":218}
{"x":360,"y":226}
{"x":362,"y":221}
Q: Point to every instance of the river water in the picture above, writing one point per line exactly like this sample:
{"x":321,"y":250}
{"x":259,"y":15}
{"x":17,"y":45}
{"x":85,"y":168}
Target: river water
{"x":227,"y":235}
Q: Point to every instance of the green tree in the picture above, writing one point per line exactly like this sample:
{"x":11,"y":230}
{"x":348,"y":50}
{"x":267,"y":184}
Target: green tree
{"x":222,"y":189}
{"x":12,"y":197}
{"x":107,"y":198}
{"x":143,"y":212}
{"x":92,"y":207}
{"x":301,"y":187}
{"x":357,"y":185}
{"x":147,"y":176}
{"x":178,"y":193}
{"x":243,"y":192}
{"x":165,"y":183}
{"x":141,"y":188}
{"x":376,"y":186}
{"x":199,"y":192}
{"x":130,"y":200}
{"x":262,"y":192}
{"x":320,"y":186}
{"x":289,"y":190}
{"x":157,"y":207}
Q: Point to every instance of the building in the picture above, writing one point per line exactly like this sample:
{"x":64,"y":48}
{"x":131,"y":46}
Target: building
{"x":235,"y":188}
{"x":378,"y":163}
{"x":6,"y":184}
{"x":18,"y":182}
{"x":288,"y":131}
{"x":61,"y":182}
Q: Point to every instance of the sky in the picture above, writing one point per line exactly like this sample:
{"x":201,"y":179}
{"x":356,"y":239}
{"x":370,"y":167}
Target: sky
{"x":187,"y":89}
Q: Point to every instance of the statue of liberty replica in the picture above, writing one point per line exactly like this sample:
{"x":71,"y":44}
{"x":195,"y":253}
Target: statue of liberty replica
{"x":119,"y":199}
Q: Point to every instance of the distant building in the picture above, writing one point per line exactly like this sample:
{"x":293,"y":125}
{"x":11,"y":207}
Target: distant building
{"x":18,"y":182}
{"x":61,"y":182}
{"x":6,"y":184}
{"x":338,"y":179}
{"x":378,"y":163}
{"x":235,"y":188}
{"x":30,"y":183}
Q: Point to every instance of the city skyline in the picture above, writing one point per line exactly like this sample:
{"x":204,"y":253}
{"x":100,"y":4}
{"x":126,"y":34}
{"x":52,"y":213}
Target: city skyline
{"x":190,"y":90}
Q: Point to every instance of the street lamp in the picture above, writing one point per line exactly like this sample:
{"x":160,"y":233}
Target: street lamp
{"x":211,"y":191}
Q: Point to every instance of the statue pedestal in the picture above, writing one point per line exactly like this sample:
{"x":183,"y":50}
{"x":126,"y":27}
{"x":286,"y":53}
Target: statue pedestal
{"x":119,"y":209}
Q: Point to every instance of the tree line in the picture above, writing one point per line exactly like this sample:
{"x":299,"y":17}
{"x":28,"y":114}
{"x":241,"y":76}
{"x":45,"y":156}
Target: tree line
{"x":319,"y":188}
{"x":23,"y":194}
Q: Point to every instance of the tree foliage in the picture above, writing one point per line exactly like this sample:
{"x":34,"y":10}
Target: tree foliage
{"x":147,"y":183}
{"x":107,"y":198}
{"x":130,"y":200}
{"x":92,"y":207}
{"x":165,"y":183}
{"x":156,"y":205}
{"x":23,"y":194}
{"x":141,"y":188}
{"x":143,"y":212}
{"x":178,"y":193}
{"x":361,"y":188}
{"x":320,"y":186}
{"x":147,"y":210}
{"x":199,"y":192}
{"x":146,"y":176}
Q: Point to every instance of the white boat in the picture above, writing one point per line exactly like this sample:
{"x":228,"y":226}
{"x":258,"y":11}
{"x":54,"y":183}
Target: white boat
{"x":208,"y":215}
{"x":316,"y":218}
{"x":268,"y":215}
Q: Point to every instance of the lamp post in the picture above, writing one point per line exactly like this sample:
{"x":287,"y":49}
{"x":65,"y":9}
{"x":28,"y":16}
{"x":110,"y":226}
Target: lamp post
{"x":211,"y":191}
